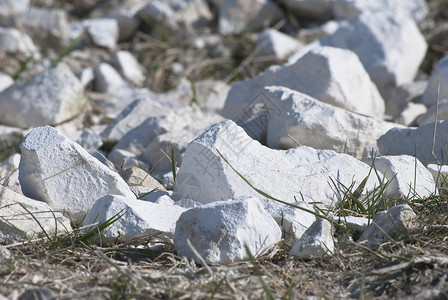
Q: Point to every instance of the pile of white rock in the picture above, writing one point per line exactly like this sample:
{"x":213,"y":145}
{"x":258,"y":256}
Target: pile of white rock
{"x":243,"y":167}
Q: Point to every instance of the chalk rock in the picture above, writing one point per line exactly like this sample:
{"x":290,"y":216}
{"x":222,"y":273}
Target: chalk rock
{"x":9,"y":171}
{"x":23,"y":217}
{"x":317,"y":241}
{"x":298,"y":118}
{"x":108,"y":80}
{"x":126,"y":16}
{"x":153,"y":140}
{"x":52,"y":165}
{"x":301,"y":172}
{"x":247,"y":15}
{"x":429,"y":97}
{"x":404,"y":94}
{"x":86,"y":76}
{"x":416,"y":141}
{"x":429,"y":116}
{"x":11,"y":7}
{"x":439,"y":173}
{"x":309,"y":35}
{"x":407,"y":177}
{"x":413,"y":112}
{"x":220,"y":231}
{"x":50,"y":97}
{"x":48,"y":27}
{"x":138,"y":177}
{"x":211,"y":94}
{"x":388,"y":224}
{"x":138,"y":218}
{"x":317,"y":9}
{"x":276,"y":45}
{"x":128,"y":65}
{"x":90,"y":140}
{"x":11,"y":137}
{"x":395,"y":40}
{"x":5,"y":80}
{"x":350,"y":9}
{"x":356,"y":225}
{"x":102,"y":32}
{"x":14,"y":41}
{"x":331,"y":75}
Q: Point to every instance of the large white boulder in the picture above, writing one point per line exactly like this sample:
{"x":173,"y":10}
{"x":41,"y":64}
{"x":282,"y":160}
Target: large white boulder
{"x":317,"y":241}
{"x":439,"y":77}
{"x":407,"y":177}
{"x":302,"y":172}
{"x":221,"y":231}
{"x":237,"y":16}
{"x":389,"y":44}
{"x":25,"y":218}
{"x":60,"y":172}
{"x":138,"y":218}
{"x":416,"y":141}
{"x":47,"y":98}
{"x":299,"y":118}
{"x":331,"y":75}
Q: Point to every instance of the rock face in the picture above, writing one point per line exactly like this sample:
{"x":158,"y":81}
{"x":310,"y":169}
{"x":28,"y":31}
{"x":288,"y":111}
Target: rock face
{"x":331,"y":75}
{"x":407,"y":177}
{"x":60,"y":172}
{"x":302,"y":172}
{"x":297,"y":118}
{"x":19,"y":217}
{"x":220,"y":231}
{"x":416,"y":141}
{"x":47,"y":98}
{"x":139,"y":218}
{"x":395,"y":39}
{"x":317,"y":241}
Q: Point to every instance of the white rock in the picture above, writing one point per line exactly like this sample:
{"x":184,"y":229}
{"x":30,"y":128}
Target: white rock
{"x":302,"y":172}
{"x":139,"y":218}
{"x":221,"y":231}
{"x":309,"y":35}
{"x":11,"y":137}
{"x":137,"y":176}
{"x":102,"y":32}
{"x":404,"y":94}
{"x":14,"y":41}
{"x":52,"y":165}
{"x":128,"y":65}
{"x":108,"y":80}
{"x":9,"y":171}
{"x":5,"y":80}
{"x":390,"y":224}
{"x":331,"y":75}
{"x":126,"y":16}
{"x":317,"y":241}
{"x":318,"y":9}
{"x":237,"y":16}
{"x":389,"y":44}
{"x":429,"y":115}
{"x":429,"y":97}
{"x":122,"y":159}
{"x":407,"y":177}
{"x":9,"y":7}
{"x":47,"y":27}
{"x":90,"y":140}
{"x":298,"y":118}
{"x":276,"y":45}
{"x":416,"y":141}
{"x":22,"y":217}
{"x":50,"y":97}
{"x":439,"y":173}
{"x":350,"y":9}
{"x":211,"y":94}
{"x":86,"y":76}
{"x":410,"y":113}
{"x":356,"y":225}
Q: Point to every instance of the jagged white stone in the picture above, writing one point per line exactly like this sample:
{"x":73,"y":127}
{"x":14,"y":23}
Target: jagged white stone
{"x":407,"y":177}
{"x":335,"y":76}
{"x":102,"y":32}
{"x":389,"y":44}
{"x":220,"y":231}
{"x":108,"y":80}
{"x":9,"y":171}
{"x":303,"y":172}
{"x":22,"y":217}
{"x":273,"y":43}
{"x":389,"y":224}
{"x":237,"y":16}
{"x":60,"y":172}
{"x":438,"y":74}
{"x":356,"y":225}
{"x":412,"y":112}
{"x":211,"y":94}
{"x":138,"y":218}
{"x":128,"y":65}
{"x":403,"y":95}
{"x":14,"y":41}
{"x":47,"y":98}
{"x":439,"y":173}
{"x":416,"y":141}
{"x":5,"y":80}
{"x":317,"y":241}
{"x":295,"y":118}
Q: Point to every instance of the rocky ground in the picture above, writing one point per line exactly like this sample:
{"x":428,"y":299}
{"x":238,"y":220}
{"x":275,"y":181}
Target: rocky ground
{"x":315,"y":122}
